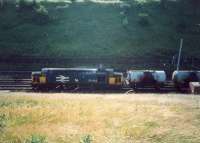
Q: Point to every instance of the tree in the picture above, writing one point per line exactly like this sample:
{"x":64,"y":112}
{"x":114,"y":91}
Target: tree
{"x":1,"y":3}
{"x":163,"y":4}
{"x":195,"y":5}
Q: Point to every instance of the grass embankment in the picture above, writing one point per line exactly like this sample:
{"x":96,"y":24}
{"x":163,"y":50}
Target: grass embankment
{"x":141,"y":30}
{"x":70,"y":118}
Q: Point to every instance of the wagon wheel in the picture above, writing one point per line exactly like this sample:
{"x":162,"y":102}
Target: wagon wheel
{"x":134,"y":87}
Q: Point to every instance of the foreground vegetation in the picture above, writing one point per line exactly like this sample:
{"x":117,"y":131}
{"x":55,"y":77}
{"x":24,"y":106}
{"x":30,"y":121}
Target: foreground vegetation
{"x":86,"y":118}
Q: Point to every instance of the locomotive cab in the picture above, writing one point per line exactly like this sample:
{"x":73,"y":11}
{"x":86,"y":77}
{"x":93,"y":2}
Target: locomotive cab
{"x":107,"y":78}
{"x":38,"y":80}
{"x":115,"y":79}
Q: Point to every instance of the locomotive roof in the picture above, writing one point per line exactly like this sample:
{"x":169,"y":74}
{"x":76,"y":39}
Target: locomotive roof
{"x":69,"y":69}
{"x":36,"y":72}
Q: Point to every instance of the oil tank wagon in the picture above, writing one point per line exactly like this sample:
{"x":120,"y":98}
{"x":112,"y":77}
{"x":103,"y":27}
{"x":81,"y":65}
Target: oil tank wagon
{"x":146,"y":78}
{"x":181,"y":79}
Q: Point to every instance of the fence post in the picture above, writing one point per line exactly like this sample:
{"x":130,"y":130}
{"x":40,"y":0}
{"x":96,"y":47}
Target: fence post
{"x":179,"y":54}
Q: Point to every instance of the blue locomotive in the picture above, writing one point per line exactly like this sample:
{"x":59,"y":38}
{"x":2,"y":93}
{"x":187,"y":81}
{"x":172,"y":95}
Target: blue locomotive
{"x":72,"y":78}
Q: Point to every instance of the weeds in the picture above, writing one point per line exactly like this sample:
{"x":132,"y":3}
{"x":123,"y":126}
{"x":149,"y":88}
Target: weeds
{"x":36,"y":139}
{"x":88,"y":118}
{"x":3,"y":122}
{"x":86,"y":139}
{"x":19,"y":103}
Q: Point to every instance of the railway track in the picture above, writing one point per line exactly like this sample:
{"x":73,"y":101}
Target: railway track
{"x":15,"y":80}
{"x":25,"y":85}
{"x":15,"y":84}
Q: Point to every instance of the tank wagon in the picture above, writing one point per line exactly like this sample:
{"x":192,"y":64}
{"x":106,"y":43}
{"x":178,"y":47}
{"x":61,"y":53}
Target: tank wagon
{"x":181,"y":79}
{"x":146,"y":78}
{"x":71,"y":78}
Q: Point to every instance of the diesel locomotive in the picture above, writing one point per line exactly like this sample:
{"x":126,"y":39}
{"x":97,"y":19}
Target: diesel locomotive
{"x":72,"y":78}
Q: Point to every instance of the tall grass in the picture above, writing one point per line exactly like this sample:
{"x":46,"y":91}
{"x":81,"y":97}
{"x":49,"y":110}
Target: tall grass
{"x":90,"y":118}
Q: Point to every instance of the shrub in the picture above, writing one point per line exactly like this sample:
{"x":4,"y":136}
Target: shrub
{"x":36,"y":139}
{"x":125,"y":21}
{"x":3,"y":121}
{"x":143,"y":19}
{"x":24,"y":5}
{"x":33,"y":11}
{"x":86,"y":139}
{"x":181,"y":27}
{"x":41,"y":15}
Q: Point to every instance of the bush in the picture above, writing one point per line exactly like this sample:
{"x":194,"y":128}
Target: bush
{"x":36,"y":139}
{"x":181,"y":27}
{"x":144,"y":21}
{"x":86,"y":139}
{"x":33,"y":11}
{"x":3,"y":121}
{"x":24,"y":5}
{"x":41,"y":15}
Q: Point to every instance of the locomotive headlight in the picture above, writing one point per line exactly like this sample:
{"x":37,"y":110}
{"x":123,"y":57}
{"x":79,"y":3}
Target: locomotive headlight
{"x":32,"y":78}
{"x":35,"y":77}
{"x":43,"y":79}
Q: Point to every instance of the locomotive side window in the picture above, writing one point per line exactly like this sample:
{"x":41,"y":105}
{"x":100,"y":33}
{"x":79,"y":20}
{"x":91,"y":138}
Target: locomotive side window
{"x":112,"y":80}
{"x":115,"y":80}
{"x":118,"y":79}
{"x":101,"y":79}
{"x":35,"y":79}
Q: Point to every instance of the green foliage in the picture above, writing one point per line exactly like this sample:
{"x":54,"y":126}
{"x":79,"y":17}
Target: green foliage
{"x":19,"y":103}
{"x":151,"y":124}
{"x":26,"y":5}
{"x":3,"y":122}
{"x":71,"y":33}
{"x":36,"y":139}
{"x":143,"y":19}
{"x":163,"y":4}
{"x":33,"y":12}
{"x":86,"y":139}
{"x":181,"y":27}
{"x":41,"y":15}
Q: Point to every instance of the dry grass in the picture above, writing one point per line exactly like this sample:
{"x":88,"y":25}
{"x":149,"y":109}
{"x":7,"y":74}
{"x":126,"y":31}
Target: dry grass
{"x":113,"y":118}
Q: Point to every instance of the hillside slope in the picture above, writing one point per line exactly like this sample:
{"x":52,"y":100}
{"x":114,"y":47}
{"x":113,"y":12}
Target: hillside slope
{"x":99,"y":29}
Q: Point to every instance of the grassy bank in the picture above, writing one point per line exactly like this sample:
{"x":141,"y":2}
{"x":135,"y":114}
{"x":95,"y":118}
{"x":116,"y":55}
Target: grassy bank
{"x":70,"y":118}
{"x":99,"y":29}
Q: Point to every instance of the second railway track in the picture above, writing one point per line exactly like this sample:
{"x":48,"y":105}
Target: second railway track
{"x":25,"y":85}
{"x":15,"y":84}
